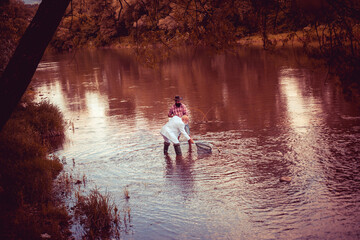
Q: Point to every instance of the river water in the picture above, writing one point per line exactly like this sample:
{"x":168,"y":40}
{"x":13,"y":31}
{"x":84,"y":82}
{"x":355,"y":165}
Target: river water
{"x":266,"y":115}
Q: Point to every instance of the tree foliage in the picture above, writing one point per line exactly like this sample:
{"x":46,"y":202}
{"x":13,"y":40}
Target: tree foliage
{"x":14,"y":18}
{"x":332,"y":24}
{"x":23,"y":63}
{"x":337,"y":27}
{"x":200,"y":22}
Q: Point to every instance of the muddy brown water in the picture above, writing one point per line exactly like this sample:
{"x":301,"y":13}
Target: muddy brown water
{"x":267,"y":116}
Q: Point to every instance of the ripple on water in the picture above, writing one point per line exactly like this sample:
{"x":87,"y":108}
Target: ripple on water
{"x":265,"y":119}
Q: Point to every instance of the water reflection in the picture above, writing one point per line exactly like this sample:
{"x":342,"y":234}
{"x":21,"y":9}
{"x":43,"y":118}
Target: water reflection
{"x":266,"y":116}
{"x":179,"y":172}
{"x":131,"y":88}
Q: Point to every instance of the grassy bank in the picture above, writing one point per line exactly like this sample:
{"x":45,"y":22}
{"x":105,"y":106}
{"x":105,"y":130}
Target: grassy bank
{"x":34,"y":187}
{"x":29,"y":206}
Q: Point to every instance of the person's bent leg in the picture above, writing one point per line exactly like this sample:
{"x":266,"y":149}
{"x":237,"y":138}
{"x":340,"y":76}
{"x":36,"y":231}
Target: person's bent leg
{"x":173,"y":138}
{"x":177,"y":149}
{"x":166,"y":145}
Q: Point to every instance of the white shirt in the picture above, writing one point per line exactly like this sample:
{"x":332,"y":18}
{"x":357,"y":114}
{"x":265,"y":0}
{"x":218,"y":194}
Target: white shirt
{"x":172,"y":129}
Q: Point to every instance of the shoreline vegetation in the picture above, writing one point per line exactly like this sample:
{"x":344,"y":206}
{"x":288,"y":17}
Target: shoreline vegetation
{"x":327,"y":30}
{"x":31,"y":179}
{"x":29,"y":205}
{"x":35,"y":188}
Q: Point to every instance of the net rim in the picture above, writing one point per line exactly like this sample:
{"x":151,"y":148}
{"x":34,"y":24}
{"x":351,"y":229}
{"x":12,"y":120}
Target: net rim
{"x":203,"y":146}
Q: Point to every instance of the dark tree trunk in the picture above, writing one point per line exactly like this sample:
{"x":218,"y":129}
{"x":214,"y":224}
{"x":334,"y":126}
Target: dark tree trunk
{"x":4,"y":2}
{"x":22,"y":65}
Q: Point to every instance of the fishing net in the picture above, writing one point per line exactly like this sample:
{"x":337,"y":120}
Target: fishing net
{"x":204,"y":148}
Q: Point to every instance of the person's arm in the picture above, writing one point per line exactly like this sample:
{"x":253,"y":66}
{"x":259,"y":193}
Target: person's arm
{"x":184,"y":110}
{"x":171,"y":112}
{"x":182,"y":130}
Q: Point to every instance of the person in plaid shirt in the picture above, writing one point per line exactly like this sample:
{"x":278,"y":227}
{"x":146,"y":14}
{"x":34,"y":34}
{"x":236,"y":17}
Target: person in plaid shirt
{"x":179,"y":109}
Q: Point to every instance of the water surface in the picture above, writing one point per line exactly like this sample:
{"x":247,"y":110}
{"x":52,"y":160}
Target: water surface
{"x":267,"y":115}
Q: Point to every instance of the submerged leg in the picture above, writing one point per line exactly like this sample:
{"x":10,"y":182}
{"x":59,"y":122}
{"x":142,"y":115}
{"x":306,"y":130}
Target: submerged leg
{"x":166,"y":147}
{"x":177,"y":149}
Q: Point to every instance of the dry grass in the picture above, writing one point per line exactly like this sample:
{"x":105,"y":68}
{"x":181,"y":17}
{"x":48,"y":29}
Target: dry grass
{"x":98,"y":214}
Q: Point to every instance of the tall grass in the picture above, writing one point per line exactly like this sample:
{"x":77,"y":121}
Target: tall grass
{"x":31,"y":204}
{"x":45,"y":118}
{"x":27,"y":173}
{"x":98,"y":214}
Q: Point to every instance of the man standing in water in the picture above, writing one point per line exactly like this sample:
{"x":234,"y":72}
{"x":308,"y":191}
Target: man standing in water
{"x":171,"y":130}
{"x":179,"y":109}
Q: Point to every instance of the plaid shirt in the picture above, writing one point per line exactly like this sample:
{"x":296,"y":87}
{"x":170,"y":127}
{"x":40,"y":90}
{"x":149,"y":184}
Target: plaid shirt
{"x":178,"y":111}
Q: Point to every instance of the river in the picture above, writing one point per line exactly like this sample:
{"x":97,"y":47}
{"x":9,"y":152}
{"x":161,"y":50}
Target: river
{"x":267,"y":115}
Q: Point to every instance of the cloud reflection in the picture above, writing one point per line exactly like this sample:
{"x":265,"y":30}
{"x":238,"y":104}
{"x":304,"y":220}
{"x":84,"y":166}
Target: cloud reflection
{"x":291,"y":90}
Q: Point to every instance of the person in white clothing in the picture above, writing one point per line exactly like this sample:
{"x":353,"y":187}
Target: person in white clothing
{"x":171,"y":130}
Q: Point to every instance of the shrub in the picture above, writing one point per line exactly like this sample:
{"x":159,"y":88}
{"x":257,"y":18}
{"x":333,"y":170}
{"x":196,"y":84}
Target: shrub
{"x":27,"y":174}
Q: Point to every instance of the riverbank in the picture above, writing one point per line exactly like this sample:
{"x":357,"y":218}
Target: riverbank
{"x":290,"y":39}
{"x":30,"y":208}
{"x":34,"y":187}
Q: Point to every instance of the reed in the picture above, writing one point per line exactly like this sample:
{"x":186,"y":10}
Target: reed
{"x":126,"y":193}
{"x":98,"y":214}
{"x":84,"y":179}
